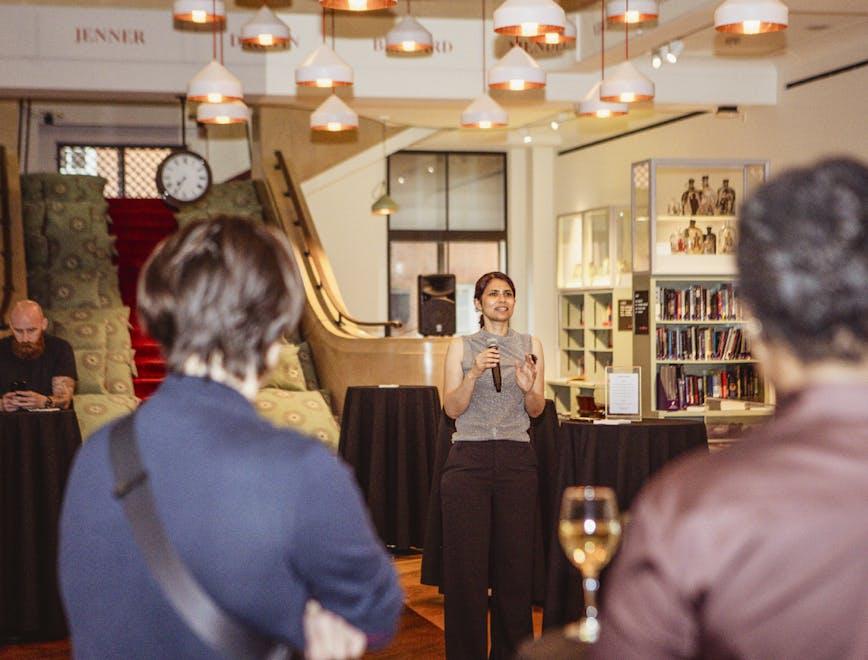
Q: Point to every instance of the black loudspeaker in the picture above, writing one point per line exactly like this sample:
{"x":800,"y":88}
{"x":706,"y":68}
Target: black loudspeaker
{"x":436,"y":305}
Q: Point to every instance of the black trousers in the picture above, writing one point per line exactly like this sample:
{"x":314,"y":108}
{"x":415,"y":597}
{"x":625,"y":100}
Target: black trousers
{"x":488,"y":495}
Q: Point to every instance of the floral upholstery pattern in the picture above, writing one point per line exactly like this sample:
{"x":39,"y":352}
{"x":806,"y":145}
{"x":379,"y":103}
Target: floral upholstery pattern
{"x":287,"y":374}
{"x":305,"y":412}
{"x":97,"y":410}
{"x":90,"y":366}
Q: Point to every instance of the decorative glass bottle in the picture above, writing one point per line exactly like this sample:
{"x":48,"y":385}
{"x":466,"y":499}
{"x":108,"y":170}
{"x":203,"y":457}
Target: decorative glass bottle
{"x":676,"y":242}
{"x":725,"y":199}
{"x":707,"y":200}
{"x":690,"y":199}
{"x":727,"y":239}
{"x":693,"y":238}
{"x":709,"y":242}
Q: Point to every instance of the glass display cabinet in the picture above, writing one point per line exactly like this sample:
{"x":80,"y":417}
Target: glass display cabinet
{"x":594,"y":274}
{"x":692,"y":342}
{"x":684,"y":213}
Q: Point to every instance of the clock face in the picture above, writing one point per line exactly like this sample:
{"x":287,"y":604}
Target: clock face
{"x":183,"y":177}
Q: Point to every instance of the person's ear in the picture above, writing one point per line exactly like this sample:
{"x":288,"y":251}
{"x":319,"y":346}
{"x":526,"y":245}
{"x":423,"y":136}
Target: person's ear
{"x":44,"y":324}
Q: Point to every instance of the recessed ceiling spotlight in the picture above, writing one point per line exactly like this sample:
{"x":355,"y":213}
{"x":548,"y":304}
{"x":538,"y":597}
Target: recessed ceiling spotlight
{"x":555,"y":125}
{"x":656,"y":60}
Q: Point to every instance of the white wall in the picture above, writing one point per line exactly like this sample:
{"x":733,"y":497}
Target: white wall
{"x":354,"y":239}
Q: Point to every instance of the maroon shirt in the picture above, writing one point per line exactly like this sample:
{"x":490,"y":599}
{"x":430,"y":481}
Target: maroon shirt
{"x":760,"y":551}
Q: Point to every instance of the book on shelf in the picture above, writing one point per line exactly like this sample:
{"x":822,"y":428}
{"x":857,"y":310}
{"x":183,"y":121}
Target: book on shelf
{"x":702,"y":343}
{"x":698,"y":303}
{"x":677,"y":389}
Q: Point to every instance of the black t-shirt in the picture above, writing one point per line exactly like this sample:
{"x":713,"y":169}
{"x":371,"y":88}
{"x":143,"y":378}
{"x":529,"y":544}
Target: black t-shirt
{"x":57,"y":360}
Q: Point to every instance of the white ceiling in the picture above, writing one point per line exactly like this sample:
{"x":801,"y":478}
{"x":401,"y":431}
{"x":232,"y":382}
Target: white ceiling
{"x":815,"y":25}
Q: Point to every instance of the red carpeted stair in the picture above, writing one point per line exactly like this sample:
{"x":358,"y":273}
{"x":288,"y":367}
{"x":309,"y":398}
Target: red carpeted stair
{"x":139,"y":225}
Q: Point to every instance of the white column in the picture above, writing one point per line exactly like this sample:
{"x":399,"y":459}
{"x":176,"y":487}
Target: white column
{"x":542,"y":313}
{"x":518,"y":255}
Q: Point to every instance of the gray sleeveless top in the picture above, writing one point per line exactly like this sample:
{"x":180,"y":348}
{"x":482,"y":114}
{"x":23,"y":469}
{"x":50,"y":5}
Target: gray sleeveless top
{"x":494,"y":415}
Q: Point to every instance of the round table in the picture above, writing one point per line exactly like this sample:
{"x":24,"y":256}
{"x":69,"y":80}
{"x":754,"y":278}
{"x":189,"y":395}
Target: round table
{"x":36,"y":453}
{"x":623,"y":457}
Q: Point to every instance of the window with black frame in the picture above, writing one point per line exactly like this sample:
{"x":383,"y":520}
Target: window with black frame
{"x":129,"y":170}
{"x":451,"y":219}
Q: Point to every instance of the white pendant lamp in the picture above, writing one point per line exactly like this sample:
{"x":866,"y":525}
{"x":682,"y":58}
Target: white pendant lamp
{"x":516,"y":71}
{"x":409,"y":36}
{"x":333,"y":116}
{"x":384,"y":205}
{"x":199,"y":12}
{"x":323,"y":68}
{"x":484,"y":113}
{"x":751,"y":16}
{"x":235,"y":112}
{"x":553,"y":38}
{"x":264,"y":30}
{"x":529,"y":18}
{"x":626,"y":85}
{"x":214,"y":84}
{"x":632,"y":12}
{"x":358,"y":5}
{"x":593,"y":106}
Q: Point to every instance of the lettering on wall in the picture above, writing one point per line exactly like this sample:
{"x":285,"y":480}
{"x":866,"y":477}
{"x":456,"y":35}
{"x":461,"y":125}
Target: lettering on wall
{"x":440,"y":45}
{"x":107,"y":35}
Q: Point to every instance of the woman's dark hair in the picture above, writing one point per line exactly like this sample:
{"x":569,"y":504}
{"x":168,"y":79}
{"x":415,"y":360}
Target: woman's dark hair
{"x":483,"y":281}
{"x":225,"y":288}
{"x":803,"y":259}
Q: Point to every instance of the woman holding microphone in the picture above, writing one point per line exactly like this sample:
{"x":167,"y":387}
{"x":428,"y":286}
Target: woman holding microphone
{"x":493,"y":385}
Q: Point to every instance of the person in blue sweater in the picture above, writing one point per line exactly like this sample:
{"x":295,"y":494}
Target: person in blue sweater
{"x":269,"y":522}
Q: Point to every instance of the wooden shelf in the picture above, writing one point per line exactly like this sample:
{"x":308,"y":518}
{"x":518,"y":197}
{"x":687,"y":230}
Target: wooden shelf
{"x":601,"y":327}
{"x":662,"y":217}
{"x":738,"y":361}
{"x":577,"y":349}
{"x":574,"y":327}
{"x":601,"y":350}
{"x":715,"y":322}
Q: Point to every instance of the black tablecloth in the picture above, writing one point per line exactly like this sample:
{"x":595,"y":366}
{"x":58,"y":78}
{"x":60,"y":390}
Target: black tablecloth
{"x":388,"y":437}
{"x":36,"y":452}
{"x":623,"y":457}
{"x":543,"y":436}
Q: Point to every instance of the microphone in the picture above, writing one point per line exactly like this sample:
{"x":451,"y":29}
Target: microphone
{"x":495,"y":370}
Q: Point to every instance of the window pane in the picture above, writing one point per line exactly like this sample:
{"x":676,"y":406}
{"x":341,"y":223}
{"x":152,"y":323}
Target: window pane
{"x":408,"y":261}
{"x":94,"y":161}
{"x":469,"y":261}
{"x":140,"y":170}
{"x":476,"y":192}
{"x":417,"y":182}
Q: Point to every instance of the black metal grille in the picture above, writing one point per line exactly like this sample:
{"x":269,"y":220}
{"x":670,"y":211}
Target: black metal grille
{"x":130,"y":171}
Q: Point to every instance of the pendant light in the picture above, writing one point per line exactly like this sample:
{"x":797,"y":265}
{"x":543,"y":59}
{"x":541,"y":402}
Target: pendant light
{"x":358,"y":5}
{"x":625,"y":84}
{"x":323,"y":67}
{"x":384,"y":205}
{"x":264,"y":31}
{"x":751,"y":16}
{"x":235,"y":112}
{"x":554,"y":39}
{"x":639,"y":11}
{"x":214,"y":84}
{"x":516,"y":71}
{"x":592,"y":105}
{"x":333,"y":116}
{"x":484,"y":112}
{"x":408,"y":36}
{"x":529,"y":18}
{"x":191,"y":13}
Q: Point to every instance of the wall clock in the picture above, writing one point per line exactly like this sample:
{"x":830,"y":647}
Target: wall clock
{"x":183,"y":177}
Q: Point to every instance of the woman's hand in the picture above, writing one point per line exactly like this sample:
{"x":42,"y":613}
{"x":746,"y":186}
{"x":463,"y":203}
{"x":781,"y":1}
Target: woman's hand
{"x":525,"y":373}
{"x":487,"y":359}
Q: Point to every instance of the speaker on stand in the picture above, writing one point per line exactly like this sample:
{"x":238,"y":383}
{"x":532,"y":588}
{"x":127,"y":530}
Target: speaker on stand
{"x":436,"y":304}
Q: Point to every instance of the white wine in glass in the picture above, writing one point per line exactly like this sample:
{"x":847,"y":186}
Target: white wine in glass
{"x":589,"y":531}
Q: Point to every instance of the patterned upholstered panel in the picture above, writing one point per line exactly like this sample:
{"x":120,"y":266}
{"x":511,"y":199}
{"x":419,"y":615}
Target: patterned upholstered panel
{"x":71,"y":187}
{"x":287,"y":374}
{"x":74,"y":290}
{"x":305,"y":412}
{"x":307,"y":366}
{"x":115,"y":320}
{"x":96,"y":410}
{"x":90,"y":366}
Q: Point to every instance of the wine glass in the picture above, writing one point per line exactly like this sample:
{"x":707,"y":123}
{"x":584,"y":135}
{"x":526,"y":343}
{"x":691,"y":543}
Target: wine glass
{"x":589,"y":531}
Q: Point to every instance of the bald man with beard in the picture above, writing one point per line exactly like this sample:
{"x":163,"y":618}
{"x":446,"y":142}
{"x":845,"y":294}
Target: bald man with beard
{"x":37,"y":370}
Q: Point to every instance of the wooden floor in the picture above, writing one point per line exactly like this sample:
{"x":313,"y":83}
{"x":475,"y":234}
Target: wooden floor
{"x":420,"y":634}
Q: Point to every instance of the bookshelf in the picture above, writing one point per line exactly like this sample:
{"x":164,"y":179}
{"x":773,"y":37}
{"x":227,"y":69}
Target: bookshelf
{"x":694,"y":349}
{"x":594,"y":274}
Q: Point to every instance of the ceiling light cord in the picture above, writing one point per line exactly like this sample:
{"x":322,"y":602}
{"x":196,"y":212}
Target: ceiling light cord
{"x":483,"y":47}
{"x":602,"y":39}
